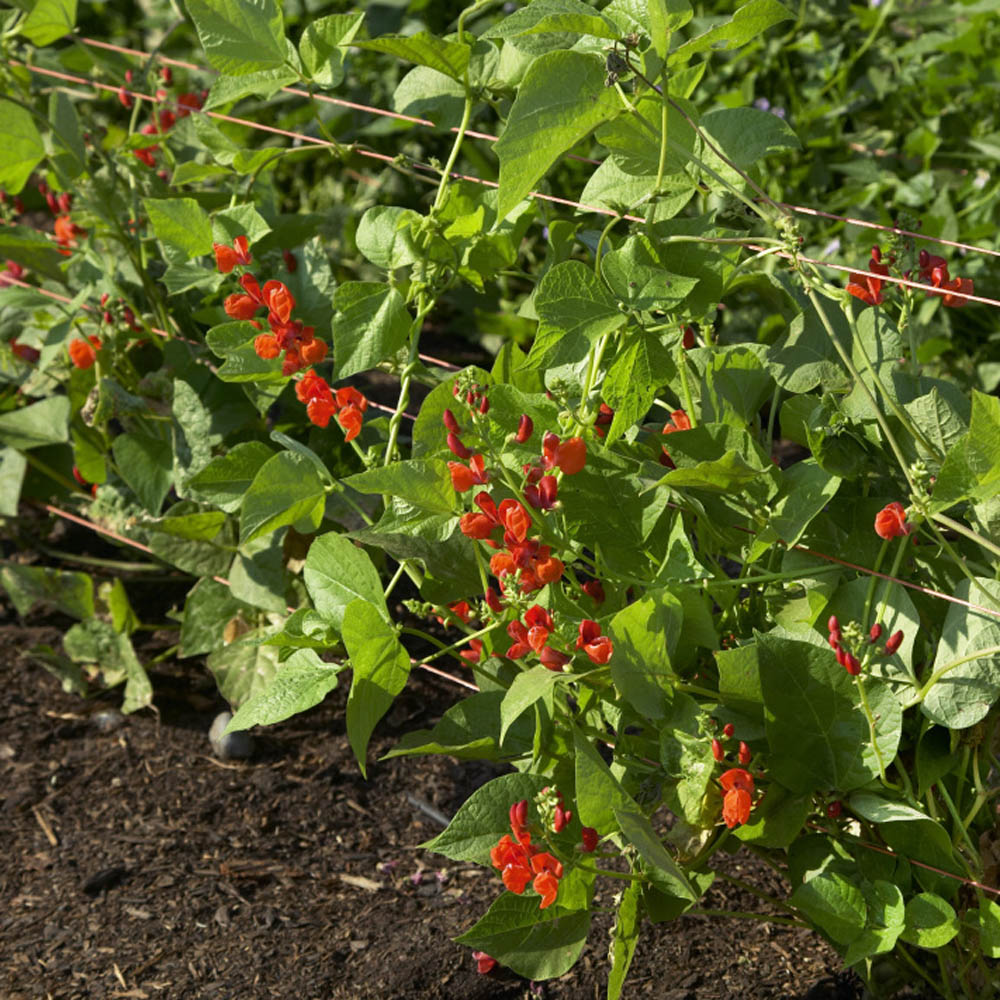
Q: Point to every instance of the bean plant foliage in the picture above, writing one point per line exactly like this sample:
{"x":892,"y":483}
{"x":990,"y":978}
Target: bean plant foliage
{"x":711,"y":537}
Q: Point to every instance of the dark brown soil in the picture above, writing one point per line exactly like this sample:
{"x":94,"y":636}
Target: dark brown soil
{"x":136,"y":865}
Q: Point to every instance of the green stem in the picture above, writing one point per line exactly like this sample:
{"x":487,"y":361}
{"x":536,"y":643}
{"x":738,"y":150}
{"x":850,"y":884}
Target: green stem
{"x":961,"y":529}
{"x":456,"y":146}
{"x":47,"y":470}
{"x":871,"y":728}
{"x":400,"y":570}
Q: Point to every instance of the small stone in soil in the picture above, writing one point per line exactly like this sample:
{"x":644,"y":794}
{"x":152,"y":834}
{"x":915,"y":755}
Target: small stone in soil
{"x":231,"y":746}
{"x":108,"y":720}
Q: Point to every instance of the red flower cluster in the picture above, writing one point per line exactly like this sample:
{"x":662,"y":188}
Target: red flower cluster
{"x":737,"y":800}
{"x":845,"y":658}
{"x":871,"y":291}
{"x":679,"y":421}
{"x":164,"y":119}
{"x":743,"y":754}
{"x":541,"y":490}
{"x":890,"y":521}
{"x":520,"y":862}
{"x":935,"y":270}
{"x":322,"y":403}
{"x":605,"y":417}
{"x":83,"y":353}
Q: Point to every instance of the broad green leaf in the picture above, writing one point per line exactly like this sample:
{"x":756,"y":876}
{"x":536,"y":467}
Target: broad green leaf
{"x":146,"y":465}
{"x":965,"y":684}
{"x":287,"y":490}
{"x":776,"y":820}
{"x":836,"y":906}
{"x":208,"y":609}
{"x":181,"y":225}
{"x":66,"y":129}
{"x":633,"y":379}
{"x":928,"y":842}
{"x":185,"y":520}
{"x":484,"y":817}
{"x":686,"y":756}
{"x":425,"y":49}
{"x":886,"y":919}
{"x":816,"y":729}
{"x":239,"y":220}
{"x":384,"y":236}
{"x":96,"y":641}
{"x":424,"y":483}
{"x":986,"y":920}
{"x":624,"y":938}
{"x":27,"y":586}
{"x":12,"y":468}
{"x":636,"y":142}
{"x":644,"y":635}
{"x":931,"y":922}
{"x":320,"y":44}
{"x":30,"y":249}
{"x":527,"y":687}
{"x":561,"y":100}
{"x":240,"y":36}
{"x":258,"y":576}
{"x":726,"y":474}
{"x":48,"y":21}
{"x":665,"y":17}
{"x":301,"y":682}
{"x":805,"y":490}
{"x":744,"y":135}
{"x":338,"y":572}
{"x":972,"y":467}
{"x":242,"y":668}
{"x":569,"y":16}
{"x":70,"y":676}
{"x":571,"y":299}
{"x":22,"y":148}
{"x":749,"y":22}
{"x":875,"y":809}
{"x":263,"y":83}
{"x":598,"y":792}
{"x":938,"y":420}
{"x":636,"y":275}
{"x":537,"y":944}
{"x":664,"y":872}
{"x":225,"y":480}
{"x":739,"y":679}
{"x":37,"y":424}
{"x":371,"y":324}
{"x":470,"y":730}
{"x":380,"y":667}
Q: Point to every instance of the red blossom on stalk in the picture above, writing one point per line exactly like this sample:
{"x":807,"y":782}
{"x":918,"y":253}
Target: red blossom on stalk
{"x":595,"y":590}
{"x":871,"y":291}
{"x":890,"y":521}
{"x":483,"y":962}
{"x":464,"y":477}
{"x":525,"y":429}
{"x":66,"y":231}
{"x":227,"y":257}
{"x":241,"y":307}
{"x":737,"y":786}
{"x":717,"y":752}
{"x":83,"y":353}
{"x":934,"y":269}
{"x":588,"y":839}
{"x":679,"y":421}
{"x":570,"y":455}
{"x":474,"y":652}
{"x":894,"y":642}
{"x":520,"y":862}
{"x":543,"y":496}
{"x":597,"y":647}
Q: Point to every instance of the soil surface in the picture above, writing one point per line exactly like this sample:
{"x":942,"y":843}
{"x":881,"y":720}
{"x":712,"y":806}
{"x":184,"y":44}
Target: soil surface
{"x":137,"y":865}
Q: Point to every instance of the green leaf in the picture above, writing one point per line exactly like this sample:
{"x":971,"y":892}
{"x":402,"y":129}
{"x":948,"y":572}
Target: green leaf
{"x":875,"y":809}
{"x":320,"y":44}
{"x":972,"y":467}
{"x":385,"y":236}
{"x":425,"y":49}
{"x":526,"y":688}
{"x":484,"y":817}
{"x":561,"y":100}
{"x":644,"y":635}
{"x":632,"y":381}
{"x":636,"y":275}
{"x":371,"y":324}
{"x":239,"y":220}
{"x":986,"y":920}
{"x":181,"y":225}
{"x":96,"y":641}
{"x":41,"y":423}
{"x":48,"y":21}
{"x":599,"y":794}
{"x":242,"y":668}
{"x":727,"y":474}
{"x":537,"y":944}
{"x":380,"y":666}
{"x":749,"y":22}
{"x":209,"y":607}
{"x":264,"y":83}
{"x":66,"y":129}
{"x":30,"y":249}
{"x":836,"y":906}
{"x":424,"y":483}
{"x":22,"y":148}
{"x":470,"y":730}
{"x":286,"y":490}
{"x":739,"y":679}
{"x":928,"y":842}
{"x":240,"y":36}
{"x":931,"y":922}
{"x":745,"y":135}
{"x":29,"y":586}
{"x":805,"y":490}
{"x":146,"y":464}
{"x":816,"y":729}
{"x":665,"y":17}
{"x":12,"y":468}
{"x":776,"y":820}
{"x":225,"y":479}
{"x":571,"y":299}
{"x":338,"y":572}
{"x":569,"y":16}
{"x":664,"y":872}
{"x":967,"y":684}
{"x":624,"y":938}
{"x":938,"y":420}
{"x":301,"y":682}
{"x":258,"y":574}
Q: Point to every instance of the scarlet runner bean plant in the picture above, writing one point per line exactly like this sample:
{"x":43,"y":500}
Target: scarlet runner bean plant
{"x":712,"y":536}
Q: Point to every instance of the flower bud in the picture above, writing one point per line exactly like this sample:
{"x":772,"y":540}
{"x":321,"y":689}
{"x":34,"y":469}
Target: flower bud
{"x":524,"y":429}
{"x":728,"y":730}
{"x":484,"y":406}
{"x":833,"y":810}
{"x":456,"y":447}
{"x":894,"y":642}
{"x":450,"y":422}
{"x":589,"y":839}
{"x":832,"y":624}
{"x":744,"y":753}
{"x":717,"y":751}
{"x":875,"y":632}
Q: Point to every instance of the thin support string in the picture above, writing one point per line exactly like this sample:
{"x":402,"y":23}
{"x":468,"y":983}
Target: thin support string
{"x":426,"y":123}
{"x":76,"y":519}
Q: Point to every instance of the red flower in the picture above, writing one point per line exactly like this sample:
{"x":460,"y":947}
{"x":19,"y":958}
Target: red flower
{"x":461,"y":610}
{"x":240,"y":307}
{"x":515,"y":519}
{"x":589,"y":839}
{"x":524,"y":429}
{"x":894,"y":642}
{"x":291,"y":264}
{"x":595,"y":590}
{"x":226,"y":258}
{"x":483,"y":962}
{"x":350,"y":419}
{"x":548,"y":872}
{"x":186,"y":103}
{"x":266,"y":347}
{"x":871,"y":292}
{"x":737,"y":785}
{"x":278,"y":299}
{"x":313,"y":351}
{"x":598,"y":647}
{"x":83,"y":353}
{"x":66,"y":232}
{"x":24,"y":352}
{"x":544,"y":495}
{"x":552,"y":659}
{"x":519,"y":633}
{"x":464,"y":477}
{"x":890,"y":521}
{"x":934,"y":269}
{"x":570,"y":456}
{"x":456,"y":447}
{"x":679,"y":421}
{"x":474,"y":652}
{"x":717,"y":752}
